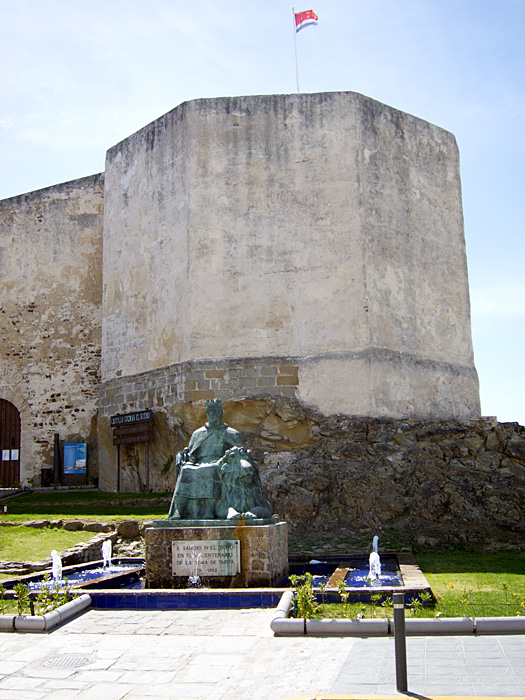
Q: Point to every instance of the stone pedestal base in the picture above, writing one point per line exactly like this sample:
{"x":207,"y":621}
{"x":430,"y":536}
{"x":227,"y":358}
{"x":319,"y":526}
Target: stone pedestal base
{"x":263,"y":553}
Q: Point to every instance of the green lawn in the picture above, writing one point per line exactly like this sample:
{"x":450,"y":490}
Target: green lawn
{"x":465,"y":584}
{"x":480,"y":583}
{"x":32,"y":544}
{"x":86,"y":504}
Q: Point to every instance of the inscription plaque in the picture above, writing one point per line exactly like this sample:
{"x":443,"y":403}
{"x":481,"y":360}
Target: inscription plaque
{"x":206,"y":557}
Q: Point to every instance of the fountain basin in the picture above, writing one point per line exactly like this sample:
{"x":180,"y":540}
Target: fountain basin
{"x":123,"y":572}
{"x":353,"y":570}
{"x":106,"y":593}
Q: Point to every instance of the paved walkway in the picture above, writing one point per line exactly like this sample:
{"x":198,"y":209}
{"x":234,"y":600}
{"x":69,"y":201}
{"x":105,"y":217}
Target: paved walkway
{"x":232,"y":655}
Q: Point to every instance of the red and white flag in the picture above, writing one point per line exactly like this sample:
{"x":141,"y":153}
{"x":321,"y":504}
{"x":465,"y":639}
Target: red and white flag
{"x":305,"y":19}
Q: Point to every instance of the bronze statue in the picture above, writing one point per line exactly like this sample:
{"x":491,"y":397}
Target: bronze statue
{"x":217,"y":477}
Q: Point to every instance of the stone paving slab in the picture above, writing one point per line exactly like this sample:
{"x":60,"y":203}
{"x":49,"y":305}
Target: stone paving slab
{"x":232,"y":655}
{"x":438,"y":666}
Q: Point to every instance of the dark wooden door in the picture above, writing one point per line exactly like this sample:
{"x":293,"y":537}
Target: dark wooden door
{"x":9,"y":445}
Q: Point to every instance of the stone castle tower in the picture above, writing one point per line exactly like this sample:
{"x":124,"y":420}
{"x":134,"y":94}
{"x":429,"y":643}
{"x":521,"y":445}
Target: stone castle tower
{"x":308,"y":247}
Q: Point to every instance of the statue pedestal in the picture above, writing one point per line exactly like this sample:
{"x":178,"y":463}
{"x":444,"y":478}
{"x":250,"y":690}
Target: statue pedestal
{"x":223,"y":553}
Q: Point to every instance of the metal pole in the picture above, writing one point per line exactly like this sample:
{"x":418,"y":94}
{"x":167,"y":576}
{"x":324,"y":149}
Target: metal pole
{"x":147,"y":467}
{"x":295,"y":46}
{"x":118,"y":468}
{"x":56,"y":459}
{"x":400,"y":642}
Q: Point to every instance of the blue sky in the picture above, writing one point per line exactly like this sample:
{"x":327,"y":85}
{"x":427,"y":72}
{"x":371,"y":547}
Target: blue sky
{"x":79,"y":76}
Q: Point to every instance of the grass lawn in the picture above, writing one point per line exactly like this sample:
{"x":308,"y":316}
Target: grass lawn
{"x":479,"y":583}
{"x":32,"y":544}
{"x":465,"y":584}
{"x":88,"y":505}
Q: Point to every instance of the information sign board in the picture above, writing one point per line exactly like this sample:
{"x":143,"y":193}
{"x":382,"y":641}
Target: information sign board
{"x":75,"y":458}
{"x":206,"y":557}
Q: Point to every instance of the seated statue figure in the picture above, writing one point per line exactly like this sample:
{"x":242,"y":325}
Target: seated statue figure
{"x":200,"y":492}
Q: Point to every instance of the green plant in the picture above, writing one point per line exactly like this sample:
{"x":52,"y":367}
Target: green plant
{"x":388,"y":603}
{"x":62,"y":595}
{"x":22,"y":597}
{"x":467,"y":604}
{"x":51,"y":595}
{"x":44,"y":599}
{"x":2,"y":599}
{"x":505,"y":588}
{"x":450,"y":586}
{"x":305,"y":603}
{"x":415,"y":606}
{"x":322,"y":591}
{"x":344,"y":594}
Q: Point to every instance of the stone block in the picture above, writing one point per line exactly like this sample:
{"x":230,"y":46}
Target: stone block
{"x":199,"y":395}
{"x":292,"y":369}
{"x":74,"y":525}
{"x":287,"y":380}
{"x":267,"y":370}
{"x":98,"y":527}
{"x":38,"y":523}
{"x":265,"y":381}
{"x":129,"y":529}
{"x":215,"y":373}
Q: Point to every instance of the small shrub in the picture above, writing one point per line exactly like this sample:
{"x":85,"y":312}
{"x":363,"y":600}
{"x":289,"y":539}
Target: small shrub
{"x":22,"y":597}
{"x":305,"y":603}
{"x":344,"y":594}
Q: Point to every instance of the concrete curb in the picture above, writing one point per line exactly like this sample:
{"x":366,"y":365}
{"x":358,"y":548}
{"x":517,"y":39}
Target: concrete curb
{"x":282,"y":626}
{"x":500,"y":625}
{"x":43,"y":623}
{"x":348,"y":628}
{"x":428,"y":627}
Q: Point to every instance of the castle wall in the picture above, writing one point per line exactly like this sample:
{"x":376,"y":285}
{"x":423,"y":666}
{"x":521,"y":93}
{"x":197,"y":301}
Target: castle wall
{"x":50,"y":316}
{"x":325,"y":228}
{"x":304,"y":248}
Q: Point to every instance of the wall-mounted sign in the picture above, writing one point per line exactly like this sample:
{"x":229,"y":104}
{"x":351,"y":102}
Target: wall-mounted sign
{"x":75,"y":458}
{"x":129,"y":418}
{"x":6,"y":455}
{"x":206,"y":557}
{"x":130,"y":428}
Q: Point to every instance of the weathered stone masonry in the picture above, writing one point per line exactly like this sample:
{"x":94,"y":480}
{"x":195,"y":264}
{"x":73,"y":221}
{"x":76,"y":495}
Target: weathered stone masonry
{"x":50,"y":313}
{"x":227,"y":380}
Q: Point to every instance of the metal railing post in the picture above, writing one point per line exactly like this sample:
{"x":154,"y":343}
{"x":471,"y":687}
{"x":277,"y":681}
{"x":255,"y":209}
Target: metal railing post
{"x":400,"y":642}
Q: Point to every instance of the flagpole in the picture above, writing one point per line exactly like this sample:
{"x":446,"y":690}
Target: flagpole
{"x":295,"y":46}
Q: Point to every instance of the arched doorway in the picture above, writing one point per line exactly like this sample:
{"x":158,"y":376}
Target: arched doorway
{"x":9,"y":445}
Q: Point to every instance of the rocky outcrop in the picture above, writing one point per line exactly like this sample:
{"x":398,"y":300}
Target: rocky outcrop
{"x":434,"y":481}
